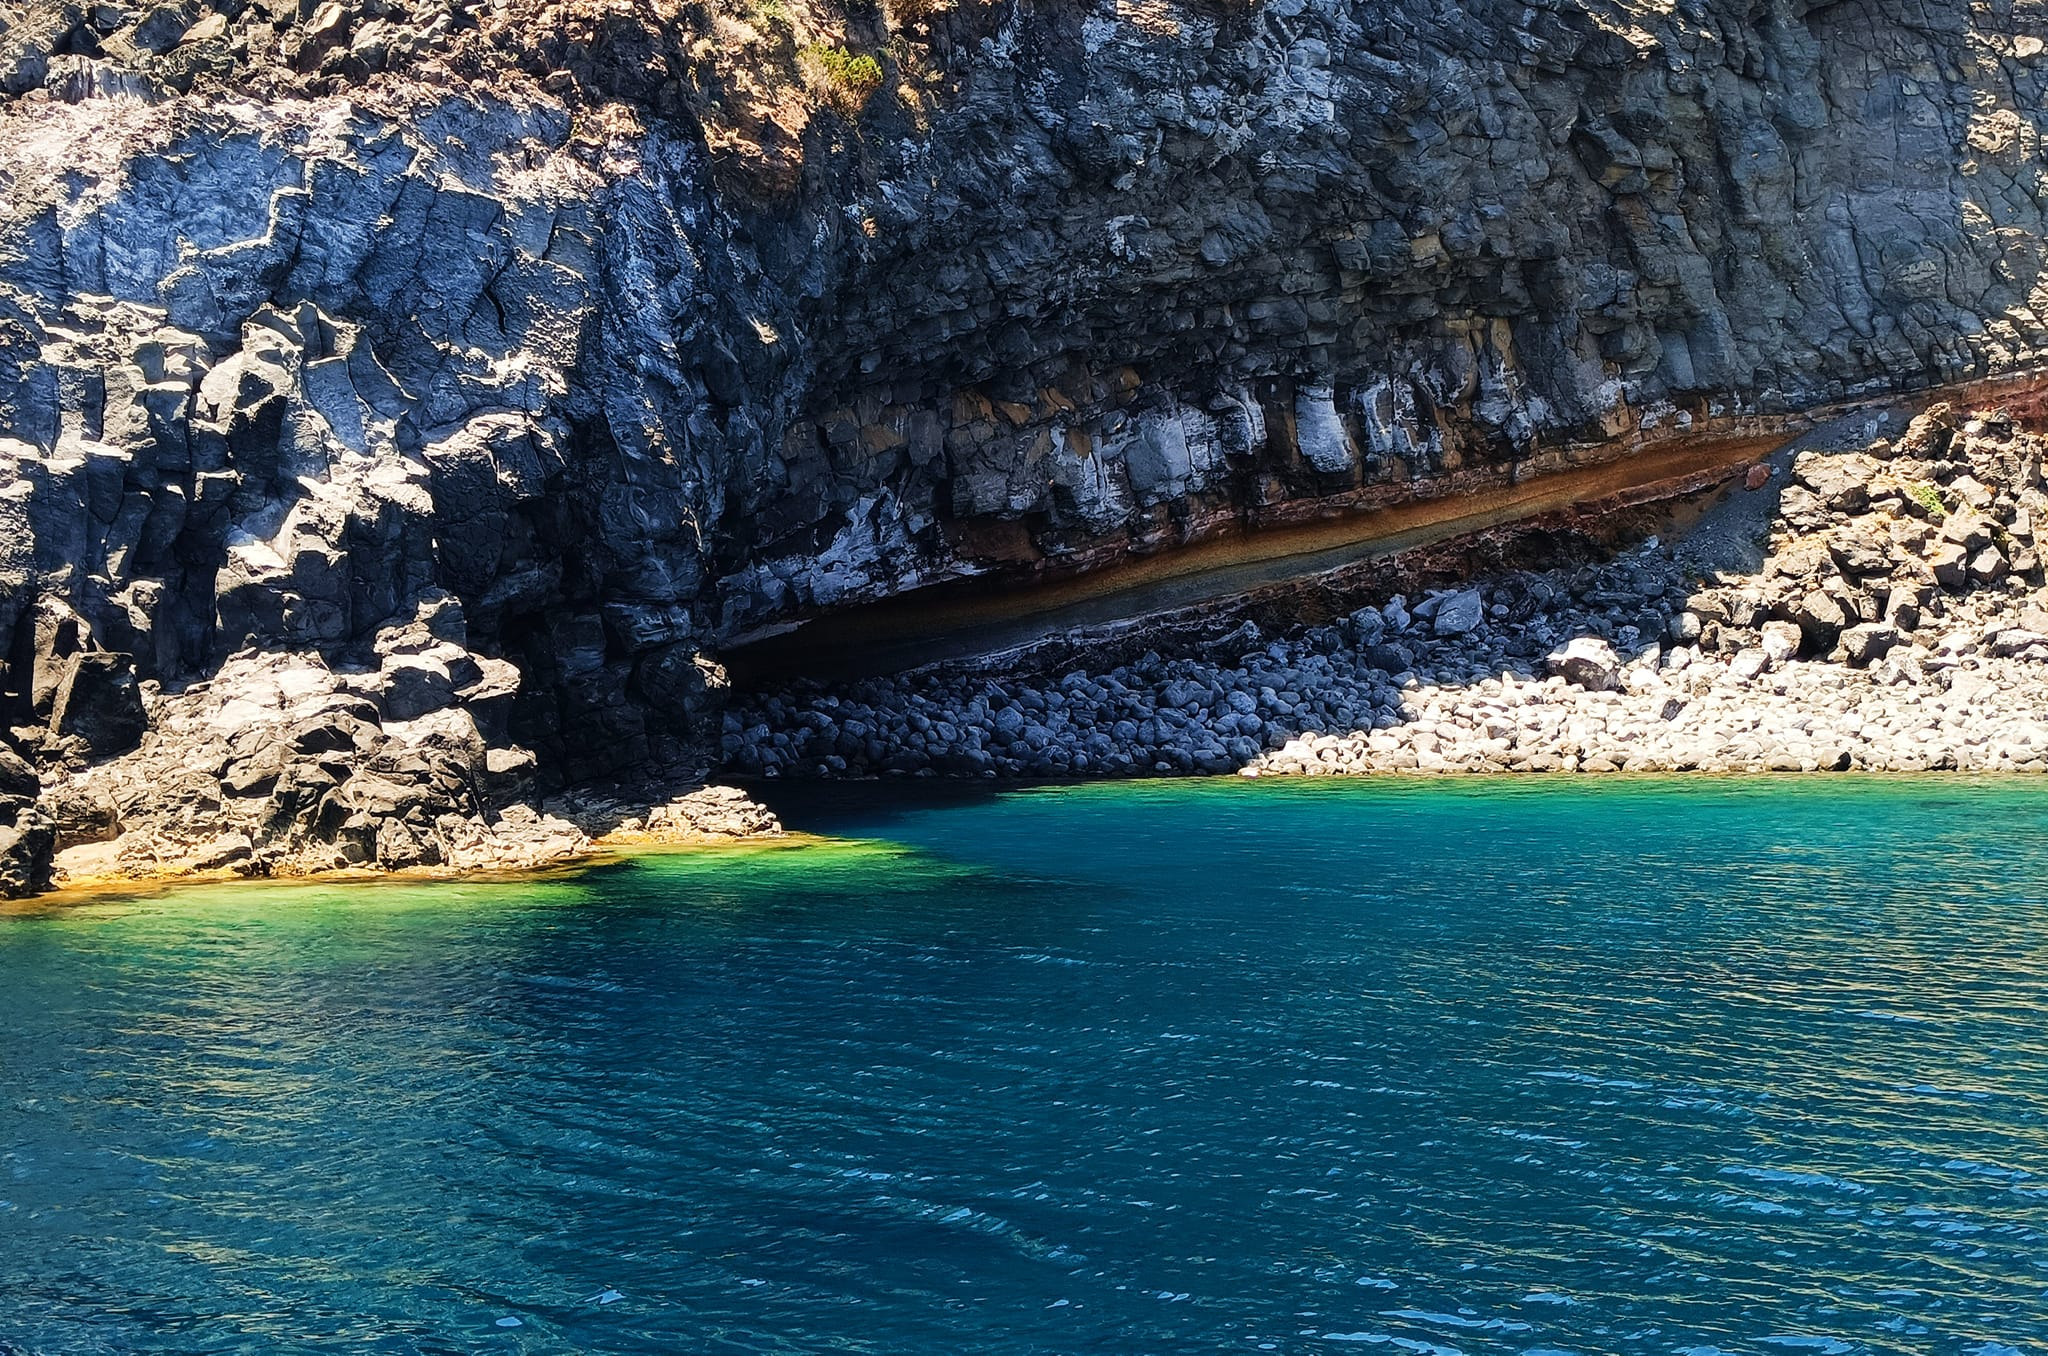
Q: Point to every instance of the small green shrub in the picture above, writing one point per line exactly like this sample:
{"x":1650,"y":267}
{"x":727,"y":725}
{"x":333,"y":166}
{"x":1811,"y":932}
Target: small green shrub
{"x":844,"y":78}
{"x":1929,"y":498}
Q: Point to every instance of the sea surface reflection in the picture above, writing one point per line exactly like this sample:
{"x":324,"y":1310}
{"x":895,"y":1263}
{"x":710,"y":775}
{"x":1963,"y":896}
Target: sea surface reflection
{"x":1615,"y":1067}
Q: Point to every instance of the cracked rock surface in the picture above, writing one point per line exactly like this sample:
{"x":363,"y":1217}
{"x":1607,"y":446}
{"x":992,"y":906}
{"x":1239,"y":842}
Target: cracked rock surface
{"x":603,"y":336}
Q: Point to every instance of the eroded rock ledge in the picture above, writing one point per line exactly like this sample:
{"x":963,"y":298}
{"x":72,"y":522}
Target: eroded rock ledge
{"x":600,"y":337}
{"x":1898,"y":623}
{"x":278,"y":766}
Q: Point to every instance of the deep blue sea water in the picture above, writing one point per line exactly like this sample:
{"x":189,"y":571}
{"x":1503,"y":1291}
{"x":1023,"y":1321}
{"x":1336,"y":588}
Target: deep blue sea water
{"x":1416,"y":1067}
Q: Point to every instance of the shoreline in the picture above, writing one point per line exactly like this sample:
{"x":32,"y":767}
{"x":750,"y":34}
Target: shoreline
{"x":567,"y":833}
{"x":84,"y":891}
{"x":89,"y":889}
{"x":1875,"y":607}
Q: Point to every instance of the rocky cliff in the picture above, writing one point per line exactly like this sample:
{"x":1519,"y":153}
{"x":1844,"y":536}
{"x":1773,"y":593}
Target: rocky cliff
{"x":483,"y":371}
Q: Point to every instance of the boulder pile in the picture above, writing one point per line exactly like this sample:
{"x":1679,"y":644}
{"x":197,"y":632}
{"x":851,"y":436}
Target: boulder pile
{"x":1898,"y":623}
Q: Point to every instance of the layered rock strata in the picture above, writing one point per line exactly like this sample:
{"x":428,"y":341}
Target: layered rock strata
{"x":1898,"y":623}
{"x":609,"y":336}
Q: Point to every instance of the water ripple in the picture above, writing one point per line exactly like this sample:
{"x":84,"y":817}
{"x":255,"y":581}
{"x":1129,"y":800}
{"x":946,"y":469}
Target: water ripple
{"x":1625,"y":1068}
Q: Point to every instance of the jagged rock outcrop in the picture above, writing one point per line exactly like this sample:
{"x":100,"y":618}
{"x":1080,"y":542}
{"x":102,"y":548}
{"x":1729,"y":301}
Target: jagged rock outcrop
{"x":27,"y":837}
{"x":633,"y":332}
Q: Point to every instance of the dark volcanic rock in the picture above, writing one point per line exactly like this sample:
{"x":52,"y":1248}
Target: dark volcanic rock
{"x":98,"y":704}
{"x":28,"y":838}
{"x":634,"y":337}
{"x":18,"y":778}
{"x":27,"y":846}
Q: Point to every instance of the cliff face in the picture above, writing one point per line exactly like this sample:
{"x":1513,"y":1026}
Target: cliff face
{"x":609,"y":336}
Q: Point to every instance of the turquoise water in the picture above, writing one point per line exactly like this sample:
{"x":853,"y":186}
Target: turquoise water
{"x":1187,"y":1067}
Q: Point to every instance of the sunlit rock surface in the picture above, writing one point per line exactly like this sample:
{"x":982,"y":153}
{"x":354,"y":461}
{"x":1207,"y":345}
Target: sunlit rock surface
{"x":620,"y":334}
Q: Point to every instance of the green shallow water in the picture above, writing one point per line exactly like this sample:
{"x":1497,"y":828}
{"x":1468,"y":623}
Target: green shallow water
{"x":1428,"y":1067}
